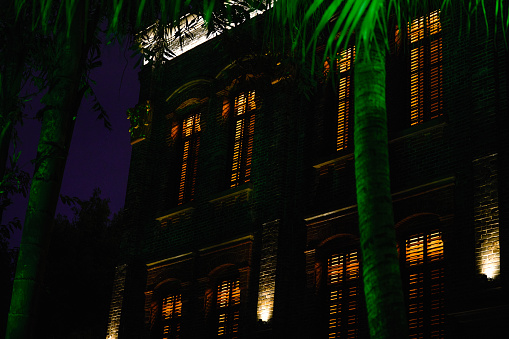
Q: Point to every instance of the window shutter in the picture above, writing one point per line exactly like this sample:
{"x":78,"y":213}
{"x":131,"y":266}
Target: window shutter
{"x":228,"y":300}
{"x":171,"y":312}
{"x":345,"y":106}
{"x":343,"y":281}
{"x":424,"y":261}
{"x":425,"y":68}
{"x":191,"y":143}
{"x":244,"y":107}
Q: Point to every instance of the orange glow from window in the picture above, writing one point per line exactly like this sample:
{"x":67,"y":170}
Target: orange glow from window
{"x":244,"y":116}
{"x":228,"y":300}
{"x":424,"y":255}
{"x":191,"y":140}
{"x":425,"y":68}
{"x":171,"y":313}
{"x":344,"y":66}
{"x":342,"y":277}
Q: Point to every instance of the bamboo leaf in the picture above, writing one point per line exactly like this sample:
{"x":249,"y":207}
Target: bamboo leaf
{"x":140,"y":12}
{"x":117,"y":7}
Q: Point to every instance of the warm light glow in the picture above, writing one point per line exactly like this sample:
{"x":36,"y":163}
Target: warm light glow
{"x":424,"y":253}
{"x":343,"y":281}
{"x":425,"y":68}
{"x":228,"y":301}
{"x":486,"y":216}
{"x":490,"y":257}
{"x":265,"y":304}
{"x":116,"y":302}
{"x":345,"y":62}
{"x":191,"y":140}
{"x":244,"y":116}
{"x":171,"y":313}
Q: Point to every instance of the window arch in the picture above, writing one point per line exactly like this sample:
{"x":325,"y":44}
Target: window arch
{"x":243,"y":109}
{"x":421,"y":250}
{"x":166,"y":310}
{"x":190,"y":136}
{"x":425,"y":40}
{"x":342,"y":285}
{"x":223,"y":302}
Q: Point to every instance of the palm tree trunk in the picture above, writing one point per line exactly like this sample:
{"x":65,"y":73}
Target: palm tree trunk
{"x":382,"y":282}
{"x":62,"y":102}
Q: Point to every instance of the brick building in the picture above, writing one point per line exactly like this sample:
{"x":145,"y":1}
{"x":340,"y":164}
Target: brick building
{"x":241,"y":194}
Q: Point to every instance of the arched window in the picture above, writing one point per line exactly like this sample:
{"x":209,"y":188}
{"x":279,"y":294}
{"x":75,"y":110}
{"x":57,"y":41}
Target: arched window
{"x":223,"y":302}
{"x":343,"y":285}
{"x":425,"y":39}
{"x":228,"y":308}
{"x":171,"y":313}
{"x":340,"y":287}
{"x":243,"y":134}
{"x":343,"y":99}
{"x":190,"y":146}
{"x":422,"y":261}
{"x":166,"y":310}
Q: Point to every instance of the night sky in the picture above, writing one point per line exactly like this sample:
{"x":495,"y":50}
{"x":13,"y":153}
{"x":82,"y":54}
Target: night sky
{"x":97,"y":157}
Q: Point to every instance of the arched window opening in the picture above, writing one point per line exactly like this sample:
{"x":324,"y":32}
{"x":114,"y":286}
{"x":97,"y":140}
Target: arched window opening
{"x":243,"y":134}
{"x":171,"y":313}
{"x":424,"y":275}
{"x":425,"y":39}
{"x":190,"y":146}
{"x":344,"y":68}
{"x":228,"y":309}
{"x":343,"y":282}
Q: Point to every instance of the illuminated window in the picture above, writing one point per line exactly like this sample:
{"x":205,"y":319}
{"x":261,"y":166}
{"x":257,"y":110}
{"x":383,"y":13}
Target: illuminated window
{"x":191,"y":144}
{"x":424,"y":268}
{"x":344,"y":119}
{"x":243,"y":120}
{"x":425,"y":42}
{"x":345,"y":98}
{"x":228,"y":309}
{"x":344,"y":289}
{"x":171,"y":312}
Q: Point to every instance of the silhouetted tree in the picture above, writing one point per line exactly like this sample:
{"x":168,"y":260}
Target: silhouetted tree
{"x":79,"y":272}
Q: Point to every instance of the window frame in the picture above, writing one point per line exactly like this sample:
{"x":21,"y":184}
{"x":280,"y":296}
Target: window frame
{"x":425,"y":54}
{"x":230,"y":313}
{"x":431,"y":282}
{"x":241,"y":137}
{"x":340,"y":244}
{"x":188,"y":165}
{"x":172,"y":322}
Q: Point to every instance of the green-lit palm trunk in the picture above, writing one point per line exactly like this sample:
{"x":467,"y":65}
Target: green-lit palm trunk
{"x":62,"y":102}
{"x":381,"y":275}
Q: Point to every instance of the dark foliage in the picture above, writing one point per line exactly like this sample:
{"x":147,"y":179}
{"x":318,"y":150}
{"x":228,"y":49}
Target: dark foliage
{"x":79,"y":272}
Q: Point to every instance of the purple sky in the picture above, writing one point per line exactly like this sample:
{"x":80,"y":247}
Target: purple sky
{"x":97,"y":157}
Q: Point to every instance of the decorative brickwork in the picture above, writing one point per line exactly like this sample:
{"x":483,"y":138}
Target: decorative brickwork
{"x":116,"y":302}
{"x":267,"y":281}
{"x":486,"y":221}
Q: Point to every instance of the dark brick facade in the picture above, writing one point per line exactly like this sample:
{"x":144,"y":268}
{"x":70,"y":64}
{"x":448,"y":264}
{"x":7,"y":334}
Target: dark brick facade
{"x":273,"y":234}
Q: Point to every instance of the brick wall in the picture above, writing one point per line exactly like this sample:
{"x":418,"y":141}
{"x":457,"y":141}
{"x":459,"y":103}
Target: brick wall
{"x":440,"y":168}
{"x":486,"y":216}
{"x":116,"y":302}
{"x":268,"y":264}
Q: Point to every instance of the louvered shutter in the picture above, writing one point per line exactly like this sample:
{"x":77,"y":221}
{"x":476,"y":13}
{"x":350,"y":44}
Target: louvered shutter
{"x":343,"y":281}
{"x":244,"y":108}
{"x":425,"y":279}
{"x":425,"y":68}
{"x":228,"y":301}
